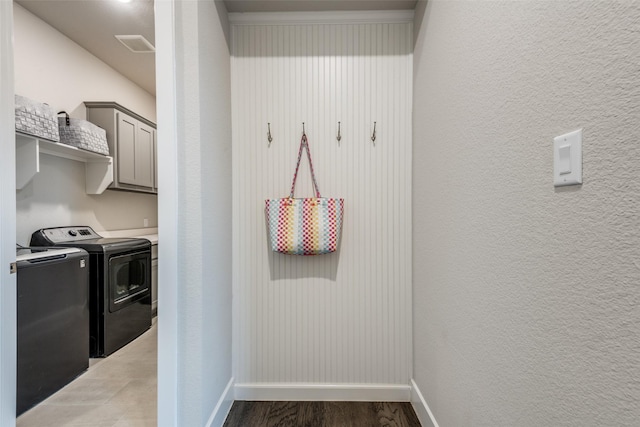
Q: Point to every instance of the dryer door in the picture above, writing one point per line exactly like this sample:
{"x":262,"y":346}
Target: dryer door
{"x":129,"y":279}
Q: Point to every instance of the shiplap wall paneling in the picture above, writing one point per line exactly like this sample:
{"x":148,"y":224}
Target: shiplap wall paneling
{"x":343,"y":318}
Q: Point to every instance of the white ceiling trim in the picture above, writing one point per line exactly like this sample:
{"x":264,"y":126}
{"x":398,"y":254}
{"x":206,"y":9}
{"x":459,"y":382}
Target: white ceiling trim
{"x":334,"y":17}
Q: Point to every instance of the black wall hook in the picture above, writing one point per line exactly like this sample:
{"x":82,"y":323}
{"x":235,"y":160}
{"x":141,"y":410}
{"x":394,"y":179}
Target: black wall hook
{"x":373,"y":137}
{"x":269,"y":138}
{"x":339,"y":137}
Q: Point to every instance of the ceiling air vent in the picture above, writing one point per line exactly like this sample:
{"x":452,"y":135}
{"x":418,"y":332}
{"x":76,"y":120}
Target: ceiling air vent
{"x":136,"y":44}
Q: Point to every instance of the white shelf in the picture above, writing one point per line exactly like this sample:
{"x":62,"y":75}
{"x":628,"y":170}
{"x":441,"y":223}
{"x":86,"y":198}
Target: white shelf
{"x":98,"y":168}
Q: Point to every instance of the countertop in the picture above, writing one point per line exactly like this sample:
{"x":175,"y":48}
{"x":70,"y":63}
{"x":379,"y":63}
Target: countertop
{"x":150,"y":234}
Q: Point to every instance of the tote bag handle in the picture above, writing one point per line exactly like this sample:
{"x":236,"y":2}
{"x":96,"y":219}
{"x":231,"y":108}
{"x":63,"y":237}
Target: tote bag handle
{"x":304,"y":144}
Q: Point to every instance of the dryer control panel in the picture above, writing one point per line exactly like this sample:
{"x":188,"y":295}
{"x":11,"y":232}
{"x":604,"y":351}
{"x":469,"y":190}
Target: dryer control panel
{"x":65,"y":234}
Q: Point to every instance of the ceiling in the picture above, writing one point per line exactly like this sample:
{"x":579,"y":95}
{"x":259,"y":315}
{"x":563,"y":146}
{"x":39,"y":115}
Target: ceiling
{"x":93,"y":25}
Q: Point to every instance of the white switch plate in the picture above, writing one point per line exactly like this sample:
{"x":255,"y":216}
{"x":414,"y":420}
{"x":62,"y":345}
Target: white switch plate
{"x":567,"y":159}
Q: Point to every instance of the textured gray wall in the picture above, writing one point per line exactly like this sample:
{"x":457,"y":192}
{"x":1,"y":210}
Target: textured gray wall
{"x":204,"y":219}
{"x":526,"y":297}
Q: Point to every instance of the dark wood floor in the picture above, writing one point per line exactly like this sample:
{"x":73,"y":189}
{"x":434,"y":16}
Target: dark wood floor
{"x":321,"y":414}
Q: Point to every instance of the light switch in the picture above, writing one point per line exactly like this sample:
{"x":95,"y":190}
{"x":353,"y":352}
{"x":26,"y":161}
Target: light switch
{"x":567,"y":159}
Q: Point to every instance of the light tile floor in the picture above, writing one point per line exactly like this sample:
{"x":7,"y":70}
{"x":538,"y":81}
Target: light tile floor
{"x":117,"y":391}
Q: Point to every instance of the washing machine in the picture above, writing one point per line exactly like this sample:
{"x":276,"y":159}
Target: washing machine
{"x":52,"y":320}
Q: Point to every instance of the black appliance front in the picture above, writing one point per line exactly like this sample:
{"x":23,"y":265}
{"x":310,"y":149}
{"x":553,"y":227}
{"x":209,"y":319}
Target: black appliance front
{"x":52,"y":320}
{"x":120,"y":298}
{"x":119,"y":288}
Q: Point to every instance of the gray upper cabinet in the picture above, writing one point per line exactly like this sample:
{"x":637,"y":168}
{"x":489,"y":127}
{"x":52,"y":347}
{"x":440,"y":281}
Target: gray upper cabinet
{"x":132,"y":143}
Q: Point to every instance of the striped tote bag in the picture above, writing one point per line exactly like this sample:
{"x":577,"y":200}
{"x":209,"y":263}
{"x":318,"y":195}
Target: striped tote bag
{"x":309,"y":226}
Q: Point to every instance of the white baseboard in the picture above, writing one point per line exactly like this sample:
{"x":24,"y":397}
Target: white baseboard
{"x":222,"y":408}
{"x":425,"y":416}
{"x":323,"y":392}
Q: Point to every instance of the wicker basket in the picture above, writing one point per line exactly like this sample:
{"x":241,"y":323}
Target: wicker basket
{"x":82,"y":134}
{"x":36,"y":119}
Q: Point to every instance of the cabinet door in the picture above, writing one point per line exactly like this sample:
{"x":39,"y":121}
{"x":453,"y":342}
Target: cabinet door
{"x":144,"y":156}
{"x":126,"y":149}
{"x":155,"y":161}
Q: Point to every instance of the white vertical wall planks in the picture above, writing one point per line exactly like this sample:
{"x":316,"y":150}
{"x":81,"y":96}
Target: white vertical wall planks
{"x":343,"y":318}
